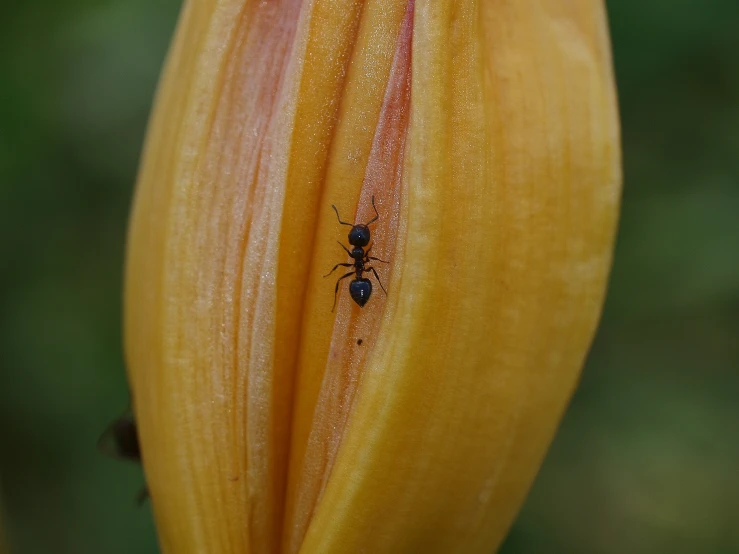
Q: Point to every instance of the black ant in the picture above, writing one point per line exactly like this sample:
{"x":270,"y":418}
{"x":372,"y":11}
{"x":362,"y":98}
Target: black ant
{"x":121,"y":440}
{"x":360,"y":288}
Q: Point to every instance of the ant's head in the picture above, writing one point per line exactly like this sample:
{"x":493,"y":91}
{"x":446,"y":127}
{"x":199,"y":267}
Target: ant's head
{"x":359,"y":235}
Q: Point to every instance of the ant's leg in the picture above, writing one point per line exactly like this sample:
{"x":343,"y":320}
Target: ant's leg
{"x":368,"y":257}
{"x":336,"y":291}
{"x":335,"y":267}
{"x":377,"y":215}
{"x":339,"y":217}
{"x":372,"y":269}
{"x":345,"y":248}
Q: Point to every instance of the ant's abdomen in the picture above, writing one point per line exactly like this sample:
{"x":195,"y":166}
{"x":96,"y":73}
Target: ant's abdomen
{"x":360,"y":291}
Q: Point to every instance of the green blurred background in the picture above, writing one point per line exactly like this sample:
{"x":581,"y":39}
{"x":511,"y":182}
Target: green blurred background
{"x":647,"y":460}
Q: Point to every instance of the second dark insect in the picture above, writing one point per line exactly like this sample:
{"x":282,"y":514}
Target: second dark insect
{"x":360,"y":288}
{"x":121,"y":440}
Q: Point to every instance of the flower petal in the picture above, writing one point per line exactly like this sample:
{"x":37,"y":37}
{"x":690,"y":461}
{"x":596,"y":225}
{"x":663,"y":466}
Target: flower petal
{"x":513,"y":189}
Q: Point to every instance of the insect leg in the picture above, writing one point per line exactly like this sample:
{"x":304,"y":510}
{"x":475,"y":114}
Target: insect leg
{"x":335,"y":267}
{"x":336,"y":291}
{"x":345,"y":248}
{"x":372,"y":269}
{"x":368,"y":257}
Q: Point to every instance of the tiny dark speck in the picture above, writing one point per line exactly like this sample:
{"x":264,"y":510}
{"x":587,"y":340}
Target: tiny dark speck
{"x":359,"y":342}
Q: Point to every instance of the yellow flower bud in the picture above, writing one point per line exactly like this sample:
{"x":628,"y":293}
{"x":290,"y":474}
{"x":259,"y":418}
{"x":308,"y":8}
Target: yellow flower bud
{"x":487,"y":132}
